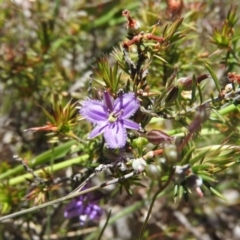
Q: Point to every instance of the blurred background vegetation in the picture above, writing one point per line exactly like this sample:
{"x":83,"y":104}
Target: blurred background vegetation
{"x":49,"y":52}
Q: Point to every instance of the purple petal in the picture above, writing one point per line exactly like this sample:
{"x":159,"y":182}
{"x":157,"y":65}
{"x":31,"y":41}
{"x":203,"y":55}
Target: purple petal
{"x":108,"y":101}
{"x":74,"y":209}
{"x":82,"y":219}
{"x":94,"y":111}
{"x":96,"y":212}
{"x":130,"y":124}
{"x":84,"y":207}
{"x":71,"y":205}
{"x":115,"y":135}
{"x":99,"y":129}
{"x":128,"y":102}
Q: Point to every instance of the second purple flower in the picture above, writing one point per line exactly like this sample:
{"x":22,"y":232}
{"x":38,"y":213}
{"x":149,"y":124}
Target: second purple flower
{"x":111,"y":117}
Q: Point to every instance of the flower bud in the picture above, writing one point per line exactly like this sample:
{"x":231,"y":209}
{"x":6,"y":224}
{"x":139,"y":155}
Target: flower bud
{"x":170,"y":152}
{"x":139,"y":142}
{"x":153,"y":171}
{"x":156,"y":137}
{"x":171,"y":95}
{"x":186,"y":82}
{"x":193,"y":181}
{"x":228,"y":87}
{"x":139,"y":164}
{"x":181,"y":172}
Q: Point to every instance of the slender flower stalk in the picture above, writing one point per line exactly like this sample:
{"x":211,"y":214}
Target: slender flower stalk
{"x":111,"y":117}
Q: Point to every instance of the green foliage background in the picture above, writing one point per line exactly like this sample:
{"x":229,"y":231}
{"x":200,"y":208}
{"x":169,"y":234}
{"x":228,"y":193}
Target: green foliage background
{"x":54,"y":53}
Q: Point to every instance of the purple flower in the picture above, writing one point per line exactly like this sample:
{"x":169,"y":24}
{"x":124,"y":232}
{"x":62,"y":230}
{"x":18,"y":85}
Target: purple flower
{"x":111,"y":117}
{"x":85,"y":207}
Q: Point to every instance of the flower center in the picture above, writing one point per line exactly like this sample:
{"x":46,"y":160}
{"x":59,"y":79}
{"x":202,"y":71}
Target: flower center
{"x":114,"y":116}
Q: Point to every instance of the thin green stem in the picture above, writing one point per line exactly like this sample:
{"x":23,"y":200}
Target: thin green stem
{"x":153,"y":201}
{"x":105,"y":225}
{"x":70,"y":196}
{"x":124,"y":212}
{"x":180,"y":132}
{"x":32,"y":209}
{"x":227,"y":110}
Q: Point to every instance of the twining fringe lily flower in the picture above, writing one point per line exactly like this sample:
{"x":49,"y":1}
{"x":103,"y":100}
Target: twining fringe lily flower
{"x":111,"y":117}
{"x":84,"y":207}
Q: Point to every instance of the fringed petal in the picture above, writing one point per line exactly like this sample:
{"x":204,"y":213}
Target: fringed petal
{"x":115,"y":135}
{"x":94,"y":111}
{"x":130,"y":124}
{"x":127,"y":102}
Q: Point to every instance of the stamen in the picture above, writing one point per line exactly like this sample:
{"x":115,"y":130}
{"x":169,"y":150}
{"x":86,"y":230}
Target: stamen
{"x":114,"y":116}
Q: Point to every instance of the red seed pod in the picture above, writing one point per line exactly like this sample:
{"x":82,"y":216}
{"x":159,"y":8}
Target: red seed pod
{"x":174,"y":7}
{"x":133,"y":26}
{"x":233,"y":77}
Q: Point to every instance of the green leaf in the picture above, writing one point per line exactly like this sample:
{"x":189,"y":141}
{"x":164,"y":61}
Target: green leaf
{"x":55,"y":153}
{"x":205,"y":176}
{"x":197,"y":168}
{"x":217,"y":193}
{"x":214,"y":77}
{"x":194,"y":86}
{"x":218,"y":115}
{"x":160,"y":58}
{"x":105,"y":225}
{"x":54,"y":168}
{"x":172,"y":29}
{"x":198,"y":157}
{"x":187,"y":156}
